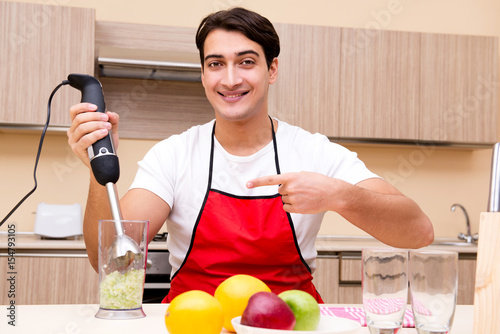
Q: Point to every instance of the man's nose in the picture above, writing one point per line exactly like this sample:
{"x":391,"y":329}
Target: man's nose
{"x":232,"y":77}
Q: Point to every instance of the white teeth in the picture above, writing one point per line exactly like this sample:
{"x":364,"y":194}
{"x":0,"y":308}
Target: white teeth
{"x":236,"y":95}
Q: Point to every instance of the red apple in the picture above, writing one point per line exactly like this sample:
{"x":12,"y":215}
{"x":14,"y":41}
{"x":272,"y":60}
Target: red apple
{"x":267,"y":310}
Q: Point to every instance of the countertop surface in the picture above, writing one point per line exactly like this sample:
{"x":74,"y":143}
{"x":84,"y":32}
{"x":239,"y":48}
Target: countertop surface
{"x":75,"y":318}
{"x":324,"y":244}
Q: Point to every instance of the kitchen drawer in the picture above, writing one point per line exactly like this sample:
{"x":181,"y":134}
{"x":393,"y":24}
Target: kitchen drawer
{"x":350,"y":267}
{"x":326,"y":278}
{"x":350,"y":294}
{"x":51,"y":278}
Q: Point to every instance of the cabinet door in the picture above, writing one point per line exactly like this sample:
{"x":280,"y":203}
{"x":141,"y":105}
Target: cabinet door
{"x":350,"y":294}
{"x":39,"y":46}
{"x":350,"y":268}
{"x":52,"y":280}
{"x":306,"y":92}
{"x":326,"y":278}
{"x":350,"y":291}
{"x":379,"y":87}
{"x":466,"y":280}
{"x":459,"y":88}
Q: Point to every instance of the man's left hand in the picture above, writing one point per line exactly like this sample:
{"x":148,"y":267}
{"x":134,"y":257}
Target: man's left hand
{"x":302,"y":192}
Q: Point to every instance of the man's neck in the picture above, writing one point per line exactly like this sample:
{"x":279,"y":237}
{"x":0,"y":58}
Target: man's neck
{"x":245,"y":137}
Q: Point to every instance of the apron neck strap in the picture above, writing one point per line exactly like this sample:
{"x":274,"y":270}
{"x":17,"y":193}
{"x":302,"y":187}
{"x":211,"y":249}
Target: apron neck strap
{"x":275,"y":146}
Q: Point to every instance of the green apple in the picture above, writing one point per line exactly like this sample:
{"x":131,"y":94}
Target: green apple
{"x":304,"y":307}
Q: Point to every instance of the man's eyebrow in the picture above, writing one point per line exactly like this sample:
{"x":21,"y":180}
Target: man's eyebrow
{"x":239,"y":54}
{"x":242,"y":53}
{"x":213,"y":56}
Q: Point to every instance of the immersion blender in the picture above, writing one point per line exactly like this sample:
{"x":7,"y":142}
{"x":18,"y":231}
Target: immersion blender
{"x":106,"y":169}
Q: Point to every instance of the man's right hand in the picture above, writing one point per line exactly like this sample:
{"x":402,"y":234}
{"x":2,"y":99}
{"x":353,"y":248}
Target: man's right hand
{"x":88,"y":126}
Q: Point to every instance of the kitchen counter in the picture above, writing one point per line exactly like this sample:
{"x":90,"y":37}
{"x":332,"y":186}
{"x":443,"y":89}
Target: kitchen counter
{"x":324,"y":244}
{"x":29,"y":241}
{"x":81,"y":319}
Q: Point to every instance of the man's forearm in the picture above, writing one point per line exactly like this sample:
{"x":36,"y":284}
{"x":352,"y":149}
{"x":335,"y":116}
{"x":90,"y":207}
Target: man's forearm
{"x":392,"y":218}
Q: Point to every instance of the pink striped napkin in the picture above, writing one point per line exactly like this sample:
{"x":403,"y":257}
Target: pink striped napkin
{"x":384,"y":305}
{"x":419,"y":307}
{"x":358,"y":314}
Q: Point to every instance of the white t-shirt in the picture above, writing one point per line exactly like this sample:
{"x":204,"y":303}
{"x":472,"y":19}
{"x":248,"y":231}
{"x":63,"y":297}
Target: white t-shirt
{"x":176,"y":169}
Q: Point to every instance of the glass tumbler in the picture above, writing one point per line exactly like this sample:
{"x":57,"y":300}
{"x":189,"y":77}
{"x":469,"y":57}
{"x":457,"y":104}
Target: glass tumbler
{"x":121,"y":280}
{"x":385,"y":288}
{"x":433,"y":287}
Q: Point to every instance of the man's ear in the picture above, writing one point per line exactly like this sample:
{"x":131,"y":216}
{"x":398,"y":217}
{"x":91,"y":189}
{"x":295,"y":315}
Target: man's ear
{"x":273,"y":71}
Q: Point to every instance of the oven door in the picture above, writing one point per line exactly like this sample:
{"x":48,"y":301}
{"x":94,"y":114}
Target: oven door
{"x":157,"y":281}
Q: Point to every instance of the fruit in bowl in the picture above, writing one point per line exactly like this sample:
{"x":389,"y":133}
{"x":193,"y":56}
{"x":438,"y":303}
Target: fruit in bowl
{"x":267,"y":310}
{"x":234,"y":294}
{"x":304,"y":307}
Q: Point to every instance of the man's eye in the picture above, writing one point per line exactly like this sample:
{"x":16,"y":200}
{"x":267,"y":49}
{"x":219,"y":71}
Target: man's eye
{"x":214,"y":64}
{"x":248,"y":62}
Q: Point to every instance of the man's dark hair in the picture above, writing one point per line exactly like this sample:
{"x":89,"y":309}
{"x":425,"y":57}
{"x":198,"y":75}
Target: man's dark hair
{"x":254,"y":26}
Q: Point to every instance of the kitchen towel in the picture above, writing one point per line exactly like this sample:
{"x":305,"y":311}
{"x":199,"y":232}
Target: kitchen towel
{"x":358,"y":314}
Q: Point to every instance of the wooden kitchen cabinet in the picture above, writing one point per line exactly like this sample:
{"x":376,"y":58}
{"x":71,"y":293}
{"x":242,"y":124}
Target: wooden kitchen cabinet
{"x":459,"y":88}
{"x":306,"y":92}
{"x":329,"y":282}
{"x":51,"y":279}
{"x":364,"y":84}
{"x":379,"y":84}
{"x":350,"y":267}
{"x":466,"y":278}
{"x":350,"y":278}
{"x":40,"y":46}
{"x":346,"y":83}
{"x":326,"y":278}
{"x":418,"y":86}
{"x":387,"y":85}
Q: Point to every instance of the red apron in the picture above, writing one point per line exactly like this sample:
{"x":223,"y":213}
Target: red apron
{"x":250,"y":235}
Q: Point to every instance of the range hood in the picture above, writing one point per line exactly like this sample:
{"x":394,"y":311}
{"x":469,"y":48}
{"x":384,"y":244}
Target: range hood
{"x":148,"y":64}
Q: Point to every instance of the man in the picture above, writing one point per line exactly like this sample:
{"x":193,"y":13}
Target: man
{"x":245,"y":193}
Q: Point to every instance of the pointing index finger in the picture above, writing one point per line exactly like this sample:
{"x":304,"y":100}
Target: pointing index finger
{"x":269,"y":180}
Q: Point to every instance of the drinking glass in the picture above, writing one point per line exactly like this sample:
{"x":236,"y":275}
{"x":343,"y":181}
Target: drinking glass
{"x":433,"y":287}
{"x":385,"y":288}
{"x":121,"y":284}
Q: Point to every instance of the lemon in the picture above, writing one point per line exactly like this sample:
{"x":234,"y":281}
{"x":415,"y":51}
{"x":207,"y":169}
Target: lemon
{"x":234,"y":293}
{"x":194,"y":311}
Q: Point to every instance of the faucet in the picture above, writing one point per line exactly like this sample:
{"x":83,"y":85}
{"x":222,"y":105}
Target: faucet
{"x":469,"y":238}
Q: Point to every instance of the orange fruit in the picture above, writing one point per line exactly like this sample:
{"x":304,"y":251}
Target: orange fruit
{"x":234,"y":293}
{"x":194,"y":311}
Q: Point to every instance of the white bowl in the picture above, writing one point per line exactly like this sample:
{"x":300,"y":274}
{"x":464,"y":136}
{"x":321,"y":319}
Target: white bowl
{"x":327,"y":325}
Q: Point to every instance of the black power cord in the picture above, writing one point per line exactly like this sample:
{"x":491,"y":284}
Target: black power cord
{"x":42,"y":137}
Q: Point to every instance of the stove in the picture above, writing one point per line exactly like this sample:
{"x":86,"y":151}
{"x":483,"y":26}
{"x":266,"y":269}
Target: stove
{"x":160,"y":237}
{"x":157,"y":281}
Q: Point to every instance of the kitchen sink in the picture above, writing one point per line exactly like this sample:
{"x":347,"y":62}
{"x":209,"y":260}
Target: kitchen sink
{"x":454,"y":243}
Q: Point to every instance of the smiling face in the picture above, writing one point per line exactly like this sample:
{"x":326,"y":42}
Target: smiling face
{"x":235,"y":75}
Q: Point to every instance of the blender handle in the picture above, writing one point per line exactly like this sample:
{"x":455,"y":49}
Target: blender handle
{"x":102,"y":154}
